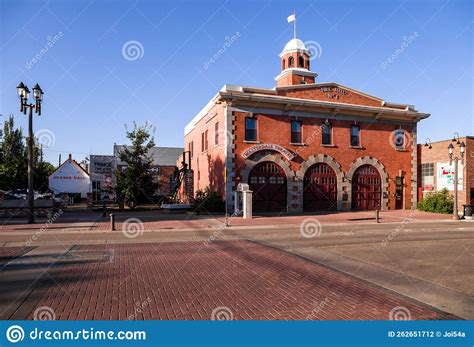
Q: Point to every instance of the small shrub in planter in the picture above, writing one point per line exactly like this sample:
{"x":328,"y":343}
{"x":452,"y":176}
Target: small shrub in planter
{"x":207,"y":201}
{"x":438,"y":202}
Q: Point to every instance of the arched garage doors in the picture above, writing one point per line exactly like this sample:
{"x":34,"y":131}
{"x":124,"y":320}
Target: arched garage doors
{"x":366,"y":188}
{"x":268,"y":182}
{"x":320,"y":188}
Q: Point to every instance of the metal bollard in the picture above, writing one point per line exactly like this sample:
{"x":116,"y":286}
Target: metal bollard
{"x":377,"y":217}
{"x":112,"y":222}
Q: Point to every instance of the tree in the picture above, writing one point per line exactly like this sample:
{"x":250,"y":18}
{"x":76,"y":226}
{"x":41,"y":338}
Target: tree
{"x":13,"y":164}
{"x":43,"y":170}
{"x":135,"y":183}
{"x":14,"y":160}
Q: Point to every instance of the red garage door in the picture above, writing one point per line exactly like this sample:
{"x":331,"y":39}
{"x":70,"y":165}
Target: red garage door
{"x":267,"y":180}
{"x":366,"y":188}
{"x":320,"y":188}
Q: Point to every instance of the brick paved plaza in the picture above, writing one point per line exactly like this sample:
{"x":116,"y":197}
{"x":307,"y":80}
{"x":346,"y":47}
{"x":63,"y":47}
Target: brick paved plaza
{"x":189,"y":280}
{"x":411,"y":265}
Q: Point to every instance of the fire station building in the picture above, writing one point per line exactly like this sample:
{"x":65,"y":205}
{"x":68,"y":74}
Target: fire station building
{"x":304,"y":145}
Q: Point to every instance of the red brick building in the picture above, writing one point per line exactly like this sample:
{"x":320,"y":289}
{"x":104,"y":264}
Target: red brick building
{"x":306,"y":146}
{"x":435,"y":172}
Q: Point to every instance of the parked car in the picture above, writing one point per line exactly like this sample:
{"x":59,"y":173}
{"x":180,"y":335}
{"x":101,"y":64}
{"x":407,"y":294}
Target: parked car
{"x":22,"y":194}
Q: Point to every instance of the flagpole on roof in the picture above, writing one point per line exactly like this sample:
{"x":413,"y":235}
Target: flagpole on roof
{"x":294,"y":25}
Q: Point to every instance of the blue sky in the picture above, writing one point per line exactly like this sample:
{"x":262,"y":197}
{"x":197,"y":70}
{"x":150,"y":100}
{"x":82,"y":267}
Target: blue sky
{"x":93,"y":86}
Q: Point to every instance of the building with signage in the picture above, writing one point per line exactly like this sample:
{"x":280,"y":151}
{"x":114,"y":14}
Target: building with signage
{"x":164,"y":161}
{"x":435,"y":172}
{"x":306,"y":145}
{"x":70,"y":178}
{"x":103,"y":168}
{"x":102,"y":172}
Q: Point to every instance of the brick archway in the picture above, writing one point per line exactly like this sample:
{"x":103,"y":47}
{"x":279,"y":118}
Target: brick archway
{"x":321,"y":158}
{"x":277,"y":159}
{"x":383,"y":175}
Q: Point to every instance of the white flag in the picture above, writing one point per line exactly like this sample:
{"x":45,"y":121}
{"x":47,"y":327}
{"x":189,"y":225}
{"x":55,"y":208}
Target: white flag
{"x":291,"y":18}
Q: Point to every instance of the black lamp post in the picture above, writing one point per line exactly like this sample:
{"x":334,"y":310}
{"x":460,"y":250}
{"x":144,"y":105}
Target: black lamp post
{"x":23,"y":94}
{"x":456,"y":159}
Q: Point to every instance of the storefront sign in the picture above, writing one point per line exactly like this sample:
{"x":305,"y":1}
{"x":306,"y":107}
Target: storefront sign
{"x":268,"y":147}
{"x":445,"y":176}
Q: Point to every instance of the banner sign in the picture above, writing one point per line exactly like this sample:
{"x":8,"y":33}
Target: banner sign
{"x":269,"y":147}
{"x":445,"y":176}
{"x":237,"y":333}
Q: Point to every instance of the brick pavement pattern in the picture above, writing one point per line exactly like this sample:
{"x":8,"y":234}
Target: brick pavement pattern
{"x":7,"y":254}
{"x":188,"y":280}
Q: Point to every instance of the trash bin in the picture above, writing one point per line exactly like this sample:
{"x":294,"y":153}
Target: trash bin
{"x":468,"y":211}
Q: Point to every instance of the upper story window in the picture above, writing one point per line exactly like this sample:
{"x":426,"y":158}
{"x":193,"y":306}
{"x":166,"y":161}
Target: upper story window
{"x":400,"y":139}
{"x":216,"y":133}
{"x":291,"y":62}
{"x":191,"y":148}
{"x":296,"y":132}
{"x":326,"y":133}
{"x":427,"y":175}
{"x":300,"y":61}
{"x":355,"y":135}
{"x":204,"y":142}
{"x":250,"y":129}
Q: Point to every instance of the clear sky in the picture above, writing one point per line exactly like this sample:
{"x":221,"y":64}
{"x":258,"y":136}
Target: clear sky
{"x":94,"y":85}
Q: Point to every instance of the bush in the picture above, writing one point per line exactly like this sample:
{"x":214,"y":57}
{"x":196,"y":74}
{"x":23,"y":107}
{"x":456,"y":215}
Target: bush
{"x":207,"y":201}
{"x":438,"y":202}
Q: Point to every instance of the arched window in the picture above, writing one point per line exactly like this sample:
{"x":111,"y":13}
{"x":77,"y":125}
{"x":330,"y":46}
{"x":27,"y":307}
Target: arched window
{"x":300,"y":62}
{"x":291,"y":62}
{"x":283,"y":64}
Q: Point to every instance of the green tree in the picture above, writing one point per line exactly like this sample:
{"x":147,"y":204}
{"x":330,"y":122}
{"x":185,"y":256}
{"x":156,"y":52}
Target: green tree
{"x":135,"y":183}
{"x":14,"y":160}
{"x":13,"y":166}
{"x":42,"y":172}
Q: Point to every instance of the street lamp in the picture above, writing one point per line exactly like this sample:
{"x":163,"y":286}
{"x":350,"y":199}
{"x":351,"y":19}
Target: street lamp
{"x":428,"y":143}
{"x":23,"y":94}
{"x":456,"y":159}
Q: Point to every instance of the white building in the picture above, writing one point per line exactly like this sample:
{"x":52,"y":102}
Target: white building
{"x":70,"y":178}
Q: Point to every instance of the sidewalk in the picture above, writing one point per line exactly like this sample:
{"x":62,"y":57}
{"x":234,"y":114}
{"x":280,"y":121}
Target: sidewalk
{"x":153,"y":222}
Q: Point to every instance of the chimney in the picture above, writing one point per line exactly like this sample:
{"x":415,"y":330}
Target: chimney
{"x":70,"y":156}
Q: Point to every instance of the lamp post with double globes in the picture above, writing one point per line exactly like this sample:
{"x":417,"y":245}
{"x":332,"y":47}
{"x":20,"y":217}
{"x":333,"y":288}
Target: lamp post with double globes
{"x":456,"y":159}
{"x":23,"y":94}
